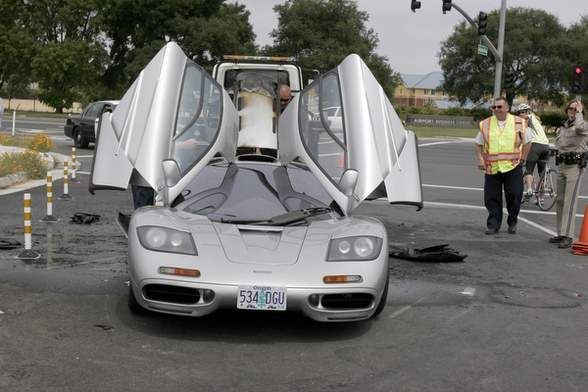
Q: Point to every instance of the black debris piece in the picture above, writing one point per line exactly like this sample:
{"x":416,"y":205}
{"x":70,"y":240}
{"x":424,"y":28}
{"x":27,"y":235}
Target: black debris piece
{"x":8,"y":243}
{"x":433,"y":254}
{"x":84,"y":218}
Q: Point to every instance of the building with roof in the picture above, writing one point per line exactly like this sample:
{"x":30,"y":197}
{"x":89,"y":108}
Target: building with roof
{"x":421,"y":90}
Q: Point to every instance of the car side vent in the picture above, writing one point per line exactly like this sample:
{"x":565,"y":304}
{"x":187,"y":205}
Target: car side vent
{"x":171,"y":294}
{"x":347,"y":301}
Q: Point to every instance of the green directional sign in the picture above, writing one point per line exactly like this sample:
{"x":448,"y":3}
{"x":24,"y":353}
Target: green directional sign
{"x":482,"y":49}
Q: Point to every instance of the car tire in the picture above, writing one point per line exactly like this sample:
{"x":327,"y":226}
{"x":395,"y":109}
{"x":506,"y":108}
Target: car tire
{"x":382,"y":303}
{"x":134,"y":306}
{"x":80,"y":141}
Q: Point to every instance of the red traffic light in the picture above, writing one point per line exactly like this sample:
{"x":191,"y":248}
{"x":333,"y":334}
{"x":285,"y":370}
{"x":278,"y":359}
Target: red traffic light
{"x":579,"y":70}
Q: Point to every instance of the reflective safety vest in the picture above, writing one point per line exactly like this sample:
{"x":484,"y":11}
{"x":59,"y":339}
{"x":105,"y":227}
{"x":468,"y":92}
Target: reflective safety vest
{"x":502,"y":147}
{"x":537,"y":130}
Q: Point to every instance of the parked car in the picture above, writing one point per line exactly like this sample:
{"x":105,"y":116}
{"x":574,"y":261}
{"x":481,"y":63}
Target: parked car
{"x":81,"y":129}
{"x":256,"y":232}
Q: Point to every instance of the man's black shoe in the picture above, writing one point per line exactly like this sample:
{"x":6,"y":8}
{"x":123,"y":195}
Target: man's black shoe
{"x":557,"y":239}
{"x":566,"y":242}
{"x":512,"y":229}
{"x":491,"y":231}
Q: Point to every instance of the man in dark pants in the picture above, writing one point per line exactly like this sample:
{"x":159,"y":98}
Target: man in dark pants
{"x":499,"y":152}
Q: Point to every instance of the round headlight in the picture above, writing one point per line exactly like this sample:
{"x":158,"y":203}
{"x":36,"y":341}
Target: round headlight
{"x":155,"y":237}
{"x":344,"y":247}
{"x":176,"y":239}
{"x":363,"y":246}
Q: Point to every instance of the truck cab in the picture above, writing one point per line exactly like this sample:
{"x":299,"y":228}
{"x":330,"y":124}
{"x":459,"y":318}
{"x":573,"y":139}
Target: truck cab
{"x":252,"y":83}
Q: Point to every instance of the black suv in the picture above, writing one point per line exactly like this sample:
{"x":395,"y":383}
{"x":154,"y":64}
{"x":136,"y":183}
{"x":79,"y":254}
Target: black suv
{"x":81,"y":129}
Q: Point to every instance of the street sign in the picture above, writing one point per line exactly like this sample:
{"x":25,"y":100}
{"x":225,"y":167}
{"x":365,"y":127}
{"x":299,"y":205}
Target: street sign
{"x":482,"y":49}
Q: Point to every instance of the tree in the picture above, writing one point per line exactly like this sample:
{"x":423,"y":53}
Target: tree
{"x":70,"y":55}
{"x":532,"y":54}
{"x":321,"y":33}
{"x":137,"y":29}
{"x":16,"y":45}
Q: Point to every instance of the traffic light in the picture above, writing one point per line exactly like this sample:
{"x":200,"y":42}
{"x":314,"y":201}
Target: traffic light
{"x":414,"y":5}
{"x":482,"y":23}
{"x":578,"y":80}
{"x":446,"y":5}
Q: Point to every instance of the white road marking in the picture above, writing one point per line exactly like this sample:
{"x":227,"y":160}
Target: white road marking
{"x":405,"y":308}
{"x":437,"y":143}
{"x":469,"y":291}
{"x":331,"y":154}
{"x":466,"y":206}
{"x":465,"y":188}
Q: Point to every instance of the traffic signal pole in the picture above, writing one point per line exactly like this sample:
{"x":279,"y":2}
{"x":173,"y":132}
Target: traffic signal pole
{"x":498,"y":53}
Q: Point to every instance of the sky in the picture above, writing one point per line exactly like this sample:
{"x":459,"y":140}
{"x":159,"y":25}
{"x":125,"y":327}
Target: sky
{"x":411,"y":40}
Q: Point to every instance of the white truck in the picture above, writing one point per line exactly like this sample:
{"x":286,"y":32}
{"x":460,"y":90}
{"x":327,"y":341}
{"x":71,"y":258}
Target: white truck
{"x":252,"y":83}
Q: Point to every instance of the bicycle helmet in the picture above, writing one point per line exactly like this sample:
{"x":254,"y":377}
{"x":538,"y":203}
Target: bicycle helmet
{"x":523,"y":107}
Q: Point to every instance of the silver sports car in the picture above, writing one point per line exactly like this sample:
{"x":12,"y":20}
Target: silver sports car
{"x":257,"y":229}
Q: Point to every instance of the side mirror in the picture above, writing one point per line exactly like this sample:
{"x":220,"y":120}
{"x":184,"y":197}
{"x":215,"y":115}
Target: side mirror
{"x":349,"y":181}
{"x":171,"y":172}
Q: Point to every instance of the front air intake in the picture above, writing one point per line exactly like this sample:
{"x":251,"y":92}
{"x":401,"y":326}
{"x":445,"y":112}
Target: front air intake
{"x":347,"y":301}
{"x":171,"y":294}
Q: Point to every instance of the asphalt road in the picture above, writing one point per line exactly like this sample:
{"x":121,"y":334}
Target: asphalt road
{"x":512,"y":317}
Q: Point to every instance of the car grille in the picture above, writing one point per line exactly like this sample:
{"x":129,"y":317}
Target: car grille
{"x":347,"y":301}
{"x":172,"y":294}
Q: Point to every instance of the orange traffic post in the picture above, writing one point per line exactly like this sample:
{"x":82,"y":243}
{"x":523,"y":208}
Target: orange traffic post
{"x":28,"y":253}
{"x":580,"y":247}
{"x":66,"y":195}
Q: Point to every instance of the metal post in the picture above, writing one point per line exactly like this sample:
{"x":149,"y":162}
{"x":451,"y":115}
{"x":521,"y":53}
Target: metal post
{"x":13,"y":121}
{"x":499,"y":59}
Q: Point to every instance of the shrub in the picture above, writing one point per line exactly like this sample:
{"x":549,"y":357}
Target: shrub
{"x":41,"y":143}
{"x":553,"y":119}
{"x":29,"y":162}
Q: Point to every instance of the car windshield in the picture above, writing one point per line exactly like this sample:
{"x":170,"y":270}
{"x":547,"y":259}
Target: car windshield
{"x":253,"y":191}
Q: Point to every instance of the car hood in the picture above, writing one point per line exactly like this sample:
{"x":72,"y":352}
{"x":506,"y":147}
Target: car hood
{"x":259,"y":244}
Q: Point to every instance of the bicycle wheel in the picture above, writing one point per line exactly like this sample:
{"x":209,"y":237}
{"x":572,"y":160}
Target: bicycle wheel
{"x":547,"y":191}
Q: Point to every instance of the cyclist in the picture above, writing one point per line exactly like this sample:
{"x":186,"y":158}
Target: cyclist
{"x":537,"y":150}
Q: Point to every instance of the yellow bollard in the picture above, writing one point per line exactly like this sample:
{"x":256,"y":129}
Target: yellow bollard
{"x":28,"y":253}
{"x":49,"y":217}
{"x":74,"y":166}
{"x":66,"y":195}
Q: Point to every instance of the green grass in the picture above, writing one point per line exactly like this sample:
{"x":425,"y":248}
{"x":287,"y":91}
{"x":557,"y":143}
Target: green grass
{"x":444,"y":132}
{"x":40,"y":142}
{"x":29,"y":162}
{"x":22,"y":113}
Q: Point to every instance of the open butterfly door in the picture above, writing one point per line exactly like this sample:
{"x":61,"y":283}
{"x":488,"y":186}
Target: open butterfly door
{"x":173,"y":110}
{"x":344,"y":121}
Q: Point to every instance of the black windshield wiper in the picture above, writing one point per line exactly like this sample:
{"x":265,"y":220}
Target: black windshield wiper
{"x":283,"y":219}
{"x":298,"y":215}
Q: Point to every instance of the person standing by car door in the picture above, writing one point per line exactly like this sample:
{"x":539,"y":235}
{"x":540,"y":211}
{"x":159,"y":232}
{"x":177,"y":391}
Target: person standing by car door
{"x":499,"y":152}
{"x":572,"y":152}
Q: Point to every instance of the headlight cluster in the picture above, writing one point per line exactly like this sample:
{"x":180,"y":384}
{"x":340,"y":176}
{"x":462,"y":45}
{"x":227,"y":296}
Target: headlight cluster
{"x":354,"y":248}
{"x":162,"y":239}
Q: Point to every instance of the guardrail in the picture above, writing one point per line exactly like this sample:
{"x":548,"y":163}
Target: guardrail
{"x":437,"y":121}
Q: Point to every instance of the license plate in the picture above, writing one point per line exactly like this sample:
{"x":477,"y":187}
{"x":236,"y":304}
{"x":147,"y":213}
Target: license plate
{"x":261,"y":298}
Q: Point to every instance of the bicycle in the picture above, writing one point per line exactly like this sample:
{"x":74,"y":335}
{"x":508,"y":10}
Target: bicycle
{"x":545,"y":186}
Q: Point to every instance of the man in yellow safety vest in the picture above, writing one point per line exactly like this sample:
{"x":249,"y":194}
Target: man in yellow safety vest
{"x":499,"y":152}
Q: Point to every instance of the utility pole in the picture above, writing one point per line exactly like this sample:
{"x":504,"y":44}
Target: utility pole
{"x":497,"y":53}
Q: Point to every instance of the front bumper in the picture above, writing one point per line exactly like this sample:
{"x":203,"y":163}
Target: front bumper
{"x":225,"y":297}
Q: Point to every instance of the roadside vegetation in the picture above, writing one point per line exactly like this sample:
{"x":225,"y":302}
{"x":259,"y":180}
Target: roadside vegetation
{"x":29,"y":162}
{"x":38,"y":143}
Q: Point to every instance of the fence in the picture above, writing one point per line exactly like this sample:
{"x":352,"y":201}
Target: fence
{"x":436,"y":121}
